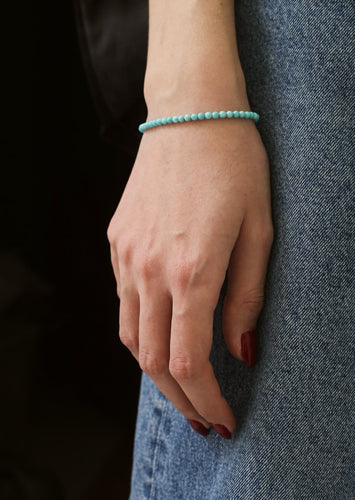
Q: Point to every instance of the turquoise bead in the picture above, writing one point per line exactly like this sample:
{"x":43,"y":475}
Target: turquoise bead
{"x":197,"y":116}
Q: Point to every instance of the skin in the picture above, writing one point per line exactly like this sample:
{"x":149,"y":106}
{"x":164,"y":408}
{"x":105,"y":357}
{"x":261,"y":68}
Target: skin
{"x":196,"y":206}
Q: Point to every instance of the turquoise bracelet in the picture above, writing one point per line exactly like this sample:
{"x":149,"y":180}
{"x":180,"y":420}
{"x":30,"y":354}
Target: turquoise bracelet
{"x":198,"y":116}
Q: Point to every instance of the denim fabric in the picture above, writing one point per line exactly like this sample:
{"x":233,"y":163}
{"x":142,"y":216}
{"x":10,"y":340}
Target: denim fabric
{"x":294,"y":409}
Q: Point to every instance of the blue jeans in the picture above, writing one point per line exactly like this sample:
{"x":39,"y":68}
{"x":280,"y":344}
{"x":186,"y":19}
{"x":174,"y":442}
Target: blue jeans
{"x":294,"y":408}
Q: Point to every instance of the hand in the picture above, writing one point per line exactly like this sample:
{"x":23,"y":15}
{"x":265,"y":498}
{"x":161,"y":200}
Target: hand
{"x":196,"y":205}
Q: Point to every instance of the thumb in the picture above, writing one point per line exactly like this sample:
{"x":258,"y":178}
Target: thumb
{"x":245,"y":293}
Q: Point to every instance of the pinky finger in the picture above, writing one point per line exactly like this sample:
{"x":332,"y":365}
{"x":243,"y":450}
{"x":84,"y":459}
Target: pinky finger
{"x":129,"y":320}
{"x":116,"y":269}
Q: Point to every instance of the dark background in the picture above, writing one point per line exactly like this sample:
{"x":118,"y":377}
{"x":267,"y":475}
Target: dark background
{"x":68,"y":387}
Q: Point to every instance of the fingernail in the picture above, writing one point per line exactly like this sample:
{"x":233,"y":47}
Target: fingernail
{"x":198,"y":427}
{"x":249,"y":347}
{"x":222,"y":431}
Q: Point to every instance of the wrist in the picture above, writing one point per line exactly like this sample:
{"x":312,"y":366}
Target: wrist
{"x":193,"y":62}
{"x":199,"y":91}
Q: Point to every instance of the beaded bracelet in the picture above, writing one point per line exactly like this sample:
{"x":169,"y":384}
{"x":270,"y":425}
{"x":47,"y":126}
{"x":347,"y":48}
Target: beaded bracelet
{"x":198,"y":116}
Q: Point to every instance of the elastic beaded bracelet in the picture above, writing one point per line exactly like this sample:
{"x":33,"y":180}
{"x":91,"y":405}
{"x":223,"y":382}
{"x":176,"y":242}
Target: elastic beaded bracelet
{"x":198,"y":116}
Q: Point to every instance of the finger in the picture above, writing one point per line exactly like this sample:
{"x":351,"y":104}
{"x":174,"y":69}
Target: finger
{"x":190,"y":346}
{"x":129,"y":319}
{"x":245,"y":292}
{"x":115,"y":267}
{"x":154,"y":350}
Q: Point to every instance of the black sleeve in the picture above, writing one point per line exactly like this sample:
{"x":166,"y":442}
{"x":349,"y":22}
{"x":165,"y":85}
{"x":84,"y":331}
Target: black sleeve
{"x":113,"y":42}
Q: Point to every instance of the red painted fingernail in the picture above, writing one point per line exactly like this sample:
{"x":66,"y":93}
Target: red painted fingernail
{"x":249,"y":347}
{"x":198,"y":427}
{"x":222,"y":431}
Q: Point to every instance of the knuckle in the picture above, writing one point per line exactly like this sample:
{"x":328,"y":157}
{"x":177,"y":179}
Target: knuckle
{"x":183,"y":273}
{"x":151,"y":363}
{"x":264,"y":234}
{"x":182,"y":367}
{"x":147,"y":266}
{"x":128,"y":340}
{"x":110,"y":233}
{"x":267,"y":236}
{"x":125,"y":252}
{"x":253,"y":300}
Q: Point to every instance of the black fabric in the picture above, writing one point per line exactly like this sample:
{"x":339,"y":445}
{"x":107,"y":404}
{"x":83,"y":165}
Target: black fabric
{"x":113,"y":40}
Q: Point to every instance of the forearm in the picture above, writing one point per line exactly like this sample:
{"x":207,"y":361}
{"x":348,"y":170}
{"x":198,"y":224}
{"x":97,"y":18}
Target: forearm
{"x":193,"y":61}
